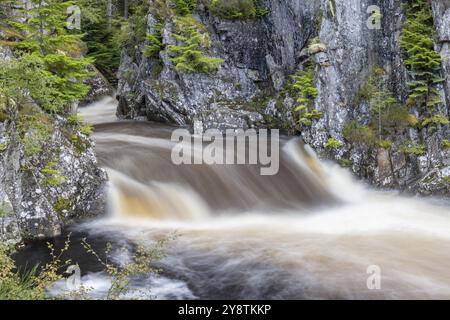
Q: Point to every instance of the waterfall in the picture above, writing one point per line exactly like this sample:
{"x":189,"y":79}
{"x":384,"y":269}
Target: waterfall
{"x":311,"y":231}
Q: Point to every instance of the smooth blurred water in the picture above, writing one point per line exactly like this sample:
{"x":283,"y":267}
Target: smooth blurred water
{"x":309,"y":232}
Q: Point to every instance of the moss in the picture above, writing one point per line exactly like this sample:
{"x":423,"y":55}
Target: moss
{"x":445,"y":182}
{"x":157,"y":68}
{"x":52,"y":175}
{"x":74,"y":120}
{"x":446,"y":144}
{"x":80,"y":144}
{"x":346,"y":163}
{"x":413,"y":148}
{"x":3,"y":146}
{"x":385,"y":144}
{"x":3,"y":212}
{"x":87,"y":129}
{"x":333,"y":144}
{"x":62,"y":204}
{"x":35,"y":128}
{"x":3,"y":115}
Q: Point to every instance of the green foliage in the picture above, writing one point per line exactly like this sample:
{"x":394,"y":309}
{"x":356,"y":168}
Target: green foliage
{"x":388,"y":116}
{"x":237,"y":9}
{"x":154,"y":41}
{"x":101,"y":42}
{"x":331,"y":5}
{"x":446,"y":144}
{"x":133,"y":31}
{"x":35,"y":128}
{"x":333,"y":144}
{"x":141,"y":263}
{"x":385,"y":144}
{"x":53,"y":56}
{"x":3,"y":113}
{"x":358,"y":134}
{"x":304,"y":92}
{"x":185,"y":7}
{"x":87,"y":130}
{"x":3,"y":212}
{"x":437,"y":119}
{"x":346,"y":163}
{"x":79,"y":143}
{"x":194,"y":38}
{"x":445,"y":182}
{"x":61,"y":204}
{"x":29,"y":285}
{"x":413,"y":148}
{"x":422,"y":61}
{"x":27,"y":79}
{"x":74,"y":120}
{"x":52,"y":174}
{"x":3,"y":147}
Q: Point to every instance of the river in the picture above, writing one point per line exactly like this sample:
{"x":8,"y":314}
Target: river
{"x":309,"y":232}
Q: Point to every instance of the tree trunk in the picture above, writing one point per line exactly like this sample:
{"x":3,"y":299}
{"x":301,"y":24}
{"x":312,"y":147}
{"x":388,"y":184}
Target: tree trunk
{"x":109,"y":14}
{"x":125,"y":9}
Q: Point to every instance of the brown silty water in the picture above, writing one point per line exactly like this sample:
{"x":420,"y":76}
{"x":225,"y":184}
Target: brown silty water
{"x":310,"y":231}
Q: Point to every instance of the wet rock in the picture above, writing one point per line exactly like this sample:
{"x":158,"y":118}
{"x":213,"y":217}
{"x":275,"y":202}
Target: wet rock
{"x":259,"y":57}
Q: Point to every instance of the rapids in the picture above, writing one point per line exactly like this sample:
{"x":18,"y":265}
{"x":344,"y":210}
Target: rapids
{"x":310,"y":231}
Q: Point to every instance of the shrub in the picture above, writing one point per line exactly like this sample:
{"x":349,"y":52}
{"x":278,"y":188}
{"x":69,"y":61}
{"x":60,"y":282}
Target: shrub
{"x":87,"y":129}
{"x":411,"y":147}
{"x":346,"y":163}
{"x":385,"y":144}
{"x":35,"y":129}
{"x":356,"y":133}
{"x":3,"y":115}
{"x":435,"y":120}
{"x":304,"y":92}
{"x":79,"y":144}
{"x":30,"y":285}
{"x":446,"y":144}
{"x":333,"y":144}
{"x":154,"y":46}
{"x":74,"y":120}
{"x":184,"y":7}
{"x":194,"y":38}
{"x":53,"y":177}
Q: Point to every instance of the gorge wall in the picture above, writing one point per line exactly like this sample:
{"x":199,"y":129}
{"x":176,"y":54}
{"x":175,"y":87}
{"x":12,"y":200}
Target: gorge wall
{"x":48,"y":171}
{"x":253,"y":87}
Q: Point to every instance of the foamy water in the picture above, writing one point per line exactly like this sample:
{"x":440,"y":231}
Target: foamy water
{"x":310,"y":232}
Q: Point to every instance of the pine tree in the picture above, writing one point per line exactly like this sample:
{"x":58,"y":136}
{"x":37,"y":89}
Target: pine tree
{"x":39,"y":31}
{"x":193,"y":38}
{"x":422,"y":61}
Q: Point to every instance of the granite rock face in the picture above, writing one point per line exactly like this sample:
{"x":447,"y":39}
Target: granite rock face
{"x":99,"y":87}
{"x":259,"y":57}
{"x":42,"y":192}
{"x":31,"y":205}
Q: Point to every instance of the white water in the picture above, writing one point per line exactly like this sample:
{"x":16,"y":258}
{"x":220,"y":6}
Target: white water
{"x":260,"y":242}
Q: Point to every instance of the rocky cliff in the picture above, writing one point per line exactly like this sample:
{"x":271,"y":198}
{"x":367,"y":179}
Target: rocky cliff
{"x":48,"y":173}
{"x":343,"y":43}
